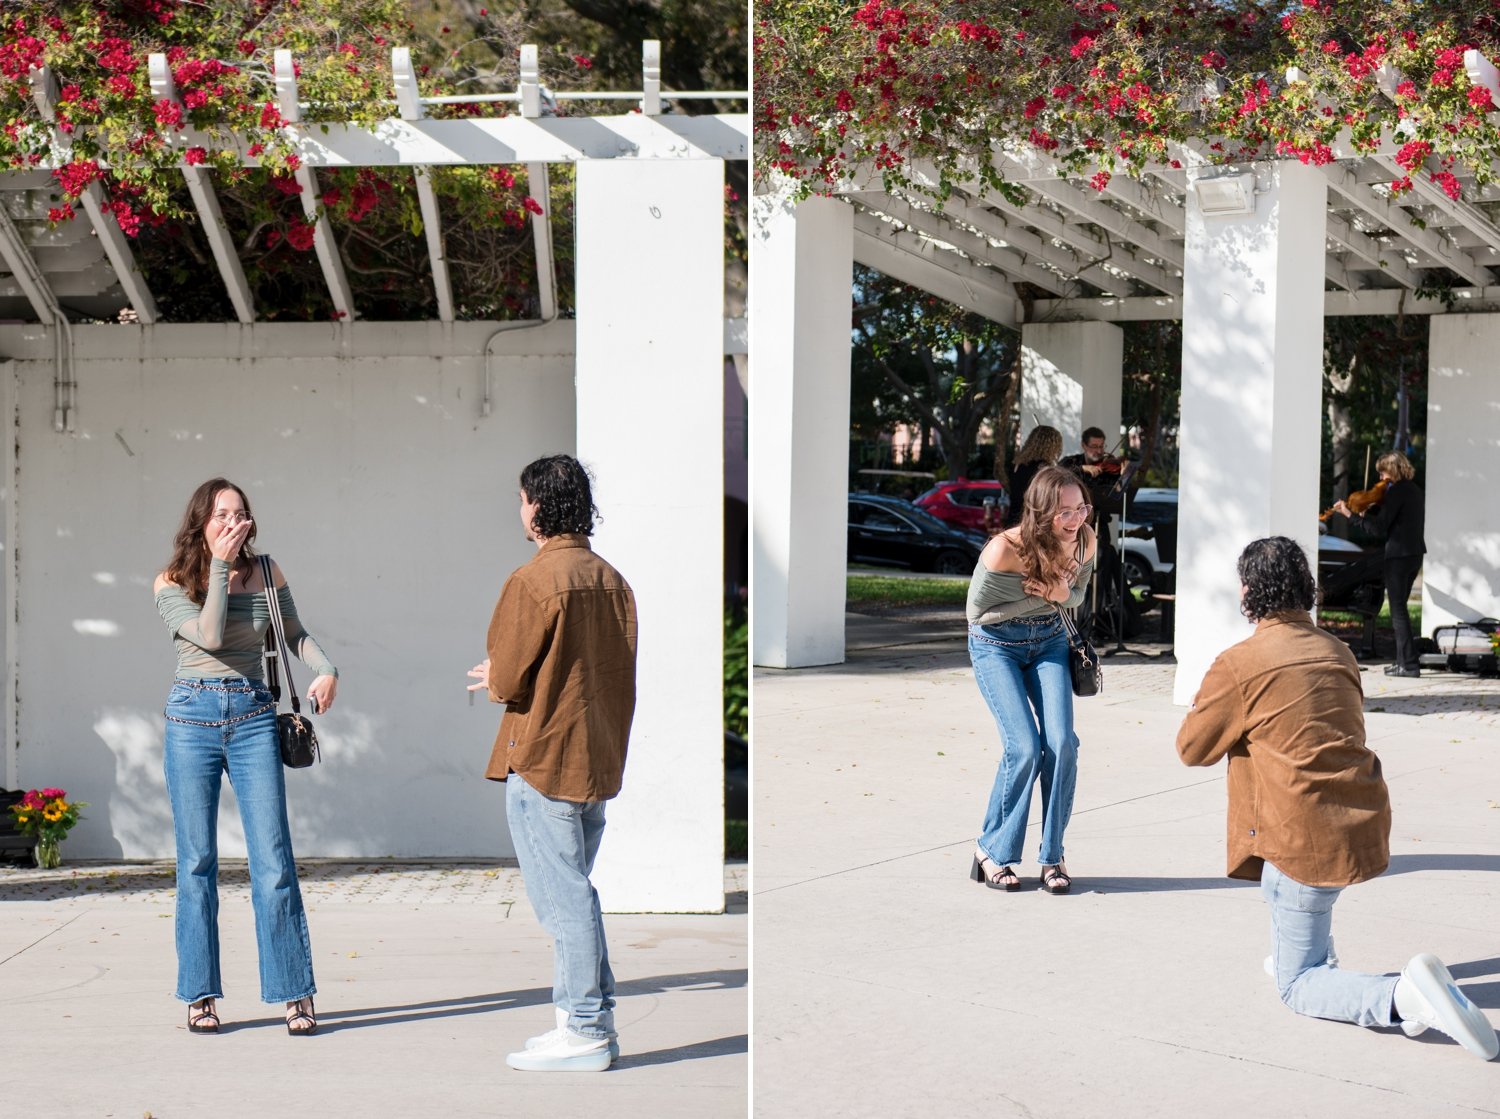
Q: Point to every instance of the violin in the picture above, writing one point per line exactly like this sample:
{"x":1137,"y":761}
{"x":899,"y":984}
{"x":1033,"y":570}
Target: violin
{"x":1361,"y":501}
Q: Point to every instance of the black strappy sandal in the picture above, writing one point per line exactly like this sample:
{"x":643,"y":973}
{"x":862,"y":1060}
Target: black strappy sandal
{"x":1055,"y":879}
{"x":1004,"y":878}
{"x":202,"y":1017}
{"x":302,"y":1010}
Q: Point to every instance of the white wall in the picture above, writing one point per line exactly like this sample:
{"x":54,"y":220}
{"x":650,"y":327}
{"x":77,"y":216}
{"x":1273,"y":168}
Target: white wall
{"x":1461,"y":575}
{"x":1252,"y":376}
{"x":1071,"y":379}
{"x":650,"y":398}
{"x":377,"y":485}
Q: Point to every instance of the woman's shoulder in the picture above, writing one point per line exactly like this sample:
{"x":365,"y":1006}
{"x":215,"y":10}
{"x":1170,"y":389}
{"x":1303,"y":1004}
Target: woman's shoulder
{"x":1001,"y":553}
{"x":1090,"y":543}
{"x":163,"y":584}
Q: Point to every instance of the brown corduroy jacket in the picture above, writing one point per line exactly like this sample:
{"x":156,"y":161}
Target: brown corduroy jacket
{"x":562,"y":645}
{"x":1305,"y":793}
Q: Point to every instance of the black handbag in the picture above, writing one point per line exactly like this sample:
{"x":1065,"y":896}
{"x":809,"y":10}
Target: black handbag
{"x":1083,"y":662}
{"x":299,"y":742}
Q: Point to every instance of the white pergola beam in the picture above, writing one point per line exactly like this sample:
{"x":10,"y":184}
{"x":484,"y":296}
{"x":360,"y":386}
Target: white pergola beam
{"x":409,"y":104}
{"x":121,"y":258}
{"x":975,"y":246}
{"x":1461,"y":213}
{"x":1367,"y":301}
{"x":1399,"y":222}
{"x":27,"y":275}
{"x":1106,"y":217}
{"x":1387,"y":260}
{"x":512,"y":139}
{"x":323,"y":243}
{"x":651,"y":77}
{"x":906,"y":257}
{"x":206,"y":202}
{"x":541,"y":238}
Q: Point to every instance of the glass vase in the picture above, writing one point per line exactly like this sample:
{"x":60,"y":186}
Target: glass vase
{"x":48,"y":853}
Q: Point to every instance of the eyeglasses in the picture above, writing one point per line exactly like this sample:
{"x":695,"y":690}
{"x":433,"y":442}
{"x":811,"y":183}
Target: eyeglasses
{"x":1079,"y":514}
{"x":1099,"y":446}
{"x":226,"y":518}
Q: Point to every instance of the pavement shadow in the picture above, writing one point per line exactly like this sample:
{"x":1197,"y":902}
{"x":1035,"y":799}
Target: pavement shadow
{"x":85,"y":877}
{"x":1134,"y":885}
{"x":351,"y":1018}
{"x":1408,"y":864}
{"x":719,"y":1047}
{"x":1428,"y":703}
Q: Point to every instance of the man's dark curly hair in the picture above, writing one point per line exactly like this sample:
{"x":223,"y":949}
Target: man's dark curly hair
{"x":558,"y":486}
{"x":1276,"y":577}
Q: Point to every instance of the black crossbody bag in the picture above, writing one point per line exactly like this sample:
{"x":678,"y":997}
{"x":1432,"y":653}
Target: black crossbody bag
{"x":1083,"y":661}
{"x":299,"y":742}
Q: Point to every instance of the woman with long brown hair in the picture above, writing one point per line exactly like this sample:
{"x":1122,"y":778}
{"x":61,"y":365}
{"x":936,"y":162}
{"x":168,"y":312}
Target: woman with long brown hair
{"x":222,"y":719}
{"x":1019,"y":651}
{"x":1043,"y":447}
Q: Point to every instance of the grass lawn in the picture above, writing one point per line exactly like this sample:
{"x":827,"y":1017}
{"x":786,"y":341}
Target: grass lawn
{"x":885,"y":590}
{"x":1382,"y":620}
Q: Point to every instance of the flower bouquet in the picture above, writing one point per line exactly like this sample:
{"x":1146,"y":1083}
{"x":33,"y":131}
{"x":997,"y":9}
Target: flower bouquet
{"x":49,"y":815}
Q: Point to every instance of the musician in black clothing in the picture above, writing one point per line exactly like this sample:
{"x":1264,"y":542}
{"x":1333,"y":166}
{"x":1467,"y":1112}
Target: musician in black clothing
{"x":1400,"y":518}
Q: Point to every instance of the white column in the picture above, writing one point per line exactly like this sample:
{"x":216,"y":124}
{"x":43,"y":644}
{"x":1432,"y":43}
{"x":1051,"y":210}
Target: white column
{"x":9,"y":639}
{"x":1070,"y":379}
{"x":1461,"y":575}
{"x":800,"y":292}
{"x":1252,"y":368}
{"x":650,"y":384}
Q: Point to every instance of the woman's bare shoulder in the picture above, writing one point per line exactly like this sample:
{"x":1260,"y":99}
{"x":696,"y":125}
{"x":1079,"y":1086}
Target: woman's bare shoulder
{"x":1091,"y":543}
{"x":162,"y":583}
{"x":1001,"y":553}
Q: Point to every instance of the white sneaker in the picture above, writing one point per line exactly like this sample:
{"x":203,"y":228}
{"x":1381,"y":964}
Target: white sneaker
{"x":561,"y":1028}
{"x":1426,"y":997}
{"x":1332,"y":960}
{"x":570,"y":1052}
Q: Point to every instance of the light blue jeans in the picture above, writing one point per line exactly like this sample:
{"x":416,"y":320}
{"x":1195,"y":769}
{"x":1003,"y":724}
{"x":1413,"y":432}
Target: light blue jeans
{"x":217,"y":725}
{"x":556,"y":842}
{"x":1021,"y":667}
{"x":1301,"y":921}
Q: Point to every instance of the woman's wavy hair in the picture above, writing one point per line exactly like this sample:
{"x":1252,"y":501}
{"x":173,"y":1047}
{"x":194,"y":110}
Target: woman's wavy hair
{"x":558,"y":486}
{"x":1276,"y":577}
{"x":1044,"y":444}
{"x":1043,"y":554}
{"x":188,"y":567}
{"x":1394,"y":462}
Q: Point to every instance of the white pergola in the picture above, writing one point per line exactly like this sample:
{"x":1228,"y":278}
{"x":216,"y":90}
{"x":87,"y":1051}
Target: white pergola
{"x":417,"y":423}
{"x":1250,"y":257}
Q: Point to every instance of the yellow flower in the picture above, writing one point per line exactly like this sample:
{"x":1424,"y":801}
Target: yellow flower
{"x":52,"y":815}
{"x":22,"y":818}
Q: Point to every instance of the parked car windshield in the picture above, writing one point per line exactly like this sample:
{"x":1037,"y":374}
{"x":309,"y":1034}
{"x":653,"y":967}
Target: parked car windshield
{"x":883,"y":514}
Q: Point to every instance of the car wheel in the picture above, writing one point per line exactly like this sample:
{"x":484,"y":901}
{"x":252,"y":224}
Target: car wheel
{"x":1137,"y":572}
{"x":952,"y":562}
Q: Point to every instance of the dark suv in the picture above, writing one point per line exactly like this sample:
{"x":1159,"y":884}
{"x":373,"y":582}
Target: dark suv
{"x":889,"y":531}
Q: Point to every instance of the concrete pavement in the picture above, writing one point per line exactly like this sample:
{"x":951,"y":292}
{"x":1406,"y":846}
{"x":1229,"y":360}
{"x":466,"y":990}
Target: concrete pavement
{"x":888,"y":984}
{"x":427,"y":976}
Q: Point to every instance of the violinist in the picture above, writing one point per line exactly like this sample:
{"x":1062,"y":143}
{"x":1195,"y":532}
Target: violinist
{"x":1100,"y":473}
{"x":1399,"y":516}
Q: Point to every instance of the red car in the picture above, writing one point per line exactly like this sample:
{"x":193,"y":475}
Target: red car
{"x":961,"y":504}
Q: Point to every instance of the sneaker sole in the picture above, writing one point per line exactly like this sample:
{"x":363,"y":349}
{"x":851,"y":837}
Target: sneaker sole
{"x":596,"y":1061}
{"x":1459,"y":1018}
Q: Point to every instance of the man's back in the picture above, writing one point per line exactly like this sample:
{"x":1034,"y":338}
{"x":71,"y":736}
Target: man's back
{"x":562,"y":645}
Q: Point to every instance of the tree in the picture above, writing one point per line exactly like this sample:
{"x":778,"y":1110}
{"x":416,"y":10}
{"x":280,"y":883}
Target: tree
{"x":938,"y":363}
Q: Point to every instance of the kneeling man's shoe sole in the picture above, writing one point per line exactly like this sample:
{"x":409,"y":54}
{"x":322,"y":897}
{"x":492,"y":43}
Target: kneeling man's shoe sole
{"x":1450,"y":1009}
{"x":569,"y":1052}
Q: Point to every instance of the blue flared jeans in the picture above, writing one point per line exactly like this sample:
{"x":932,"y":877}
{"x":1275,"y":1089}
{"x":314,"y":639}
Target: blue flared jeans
{"x":216,"y":726}
{"x":556,"y":842}
{"x":1301,"y":924}
{"x":1021,"y":667}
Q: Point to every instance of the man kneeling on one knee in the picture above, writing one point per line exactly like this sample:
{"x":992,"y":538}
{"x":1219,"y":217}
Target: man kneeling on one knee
{"x":1309,"y":813}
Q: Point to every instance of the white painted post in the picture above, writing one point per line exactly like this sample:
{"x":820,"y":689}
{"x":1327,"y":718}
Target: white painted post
{"x":1070,"y":378}
{"x":650,"y":300}
{"x":1252,"y":363}
{"x":1461,"y":575}
{"x":800,"y":292}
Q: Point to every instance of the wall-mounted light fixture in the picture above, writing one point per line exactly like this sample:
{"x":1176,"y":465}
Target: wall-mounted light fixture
{"x":1225,"y":195}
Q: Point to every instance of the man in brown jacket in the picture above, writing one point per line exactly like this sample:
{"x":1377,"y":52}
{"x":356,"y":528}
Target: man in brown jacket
{"x":562,"y":645}
{"x":1308,"y":808}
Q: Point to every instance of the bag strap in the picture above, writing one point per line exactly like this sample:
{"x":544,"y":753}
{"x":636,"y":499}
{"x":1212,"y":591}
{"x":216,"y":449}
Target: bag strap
{"x":276,"y":641}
